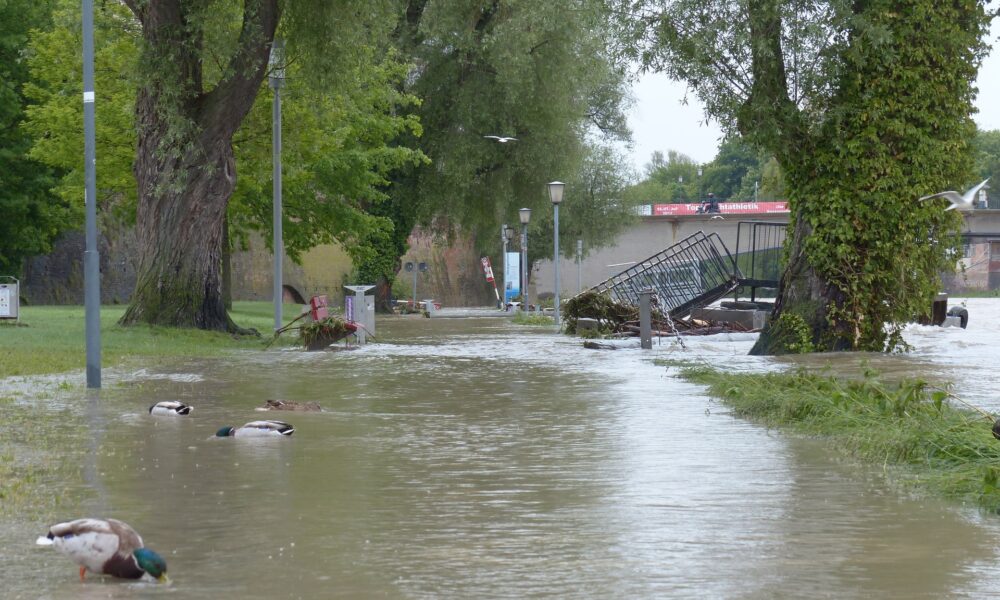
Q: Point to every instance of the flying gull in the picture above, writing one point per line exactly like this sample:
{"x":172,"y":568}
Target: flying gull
{"x":963,"y":202}
{"x":500,"y":138}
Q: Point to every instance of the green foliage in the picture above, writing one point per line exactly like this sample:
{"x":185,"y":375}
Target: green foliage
{"x":987,"y":156}
{"x":793,"y":333}
{"x":866,"y":107}
{"x":338,"y":142}
{"x":926,"y":442}
{"x":739,"y":172}
{"x":338,"y":152}
{"x":538,"y":71}
{"x":31,"y":215}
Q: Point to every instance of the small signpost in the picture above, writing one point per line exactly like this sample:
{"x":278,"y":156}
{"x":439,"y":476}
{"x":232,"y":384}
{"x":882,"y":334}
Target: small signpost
{"x":9,"y":298}
{"x":488,"y":271}
{"x":415,"y":268}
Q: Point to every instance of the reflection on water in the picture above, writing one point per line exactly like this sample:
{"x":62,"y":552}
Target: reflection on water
{"x":475,"y":458}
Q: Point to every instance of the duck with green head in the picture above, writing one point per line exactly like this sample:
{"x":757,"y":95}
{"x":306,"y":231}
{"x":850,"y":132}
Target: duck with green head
{"x":256,"y":429}
{"x":106,"y":547}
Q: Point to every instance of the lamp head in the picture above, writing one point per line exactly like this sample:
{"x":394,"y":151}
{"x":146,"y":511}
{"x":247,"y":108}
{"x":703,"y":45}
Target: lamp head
{"x":508,"y":233}
{"x":525,"y":215}
{"x":556,"y":191}
{"x":276,"y":61}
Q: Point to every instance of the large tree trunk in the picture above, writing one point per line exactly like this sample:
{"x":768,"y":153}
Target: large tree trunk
{"x":799,"y":321}
{"x":184,"y":167}
{"x":180,"y":241}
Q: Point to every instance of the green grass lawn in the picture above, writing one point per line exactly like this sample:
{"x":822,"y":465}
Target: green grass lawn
{"x":51,"y":338}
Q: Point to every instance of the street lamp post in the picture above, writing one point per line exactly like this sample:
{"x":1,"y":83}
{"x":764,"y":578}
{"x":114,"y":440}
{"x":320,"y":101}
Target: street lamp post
{"x":699,"y":182}
{"x":525,"y":215}
{"x":555,"y":195}
{"x":579,"y":266}
{"x":91,"y":260}
{"x":277,"y":79}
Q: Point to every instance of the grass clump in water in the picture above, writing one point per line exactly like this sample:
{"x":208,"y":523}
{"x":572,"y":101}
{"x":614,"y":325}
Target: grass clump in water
{"x":930,"y":444}
{"x":523,"y":318}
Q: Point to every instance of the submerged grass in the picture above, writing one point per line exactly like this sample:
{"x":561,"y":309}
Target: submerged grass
{"x":926,"y":443}
{"x":51,"y":339}
{"x":522,"y":318}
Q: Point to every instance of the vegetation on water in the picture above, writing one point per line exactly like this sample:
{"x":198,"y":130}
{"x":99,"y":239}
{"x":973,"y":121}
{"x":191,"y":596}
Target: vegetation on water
{"x":324,"y":332}
{"x":51,"y":338}
{"x":523,"y":318}
{"x":928,"y":443}
{"x":593,"y":305}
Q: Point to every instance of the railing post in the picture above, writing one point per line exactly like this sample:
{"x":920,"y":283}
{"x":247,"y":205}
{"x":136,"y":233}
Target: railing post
{"x":645,"y":320}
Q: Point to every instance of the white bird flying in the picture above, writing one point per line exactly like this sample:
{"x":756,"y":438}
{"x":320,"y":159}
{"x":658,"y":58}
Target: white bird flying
{"x":500,"y":138}
{"x":964,"y":202}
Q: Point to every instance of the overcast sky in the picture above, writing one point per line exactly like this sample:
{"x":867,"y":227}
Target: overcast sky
{"x":660,"y":120}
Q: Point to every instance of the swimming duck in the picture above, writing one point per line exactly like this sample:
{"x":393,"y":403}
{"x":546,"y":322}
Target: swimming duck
{"x":169,"y":408}
{"x":290,"y":405}
{"x":107,"y":547}
{"x":258,"y":429}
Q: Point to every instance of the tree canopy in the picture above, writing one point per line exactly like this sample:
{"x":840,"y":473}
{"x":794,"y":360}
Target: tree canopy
{"x":30,"y":215}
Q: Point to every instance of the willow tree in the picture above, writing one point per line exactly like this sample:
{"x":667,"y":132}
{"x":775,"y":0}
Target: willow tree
{"x":866,"y":106}
{"x":201,"y":67}
{"x":539,"y":71}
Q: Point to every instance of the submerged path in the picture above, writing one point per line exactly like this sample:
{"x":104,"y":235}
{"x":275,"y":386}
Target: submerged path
{"x":475,"y":458}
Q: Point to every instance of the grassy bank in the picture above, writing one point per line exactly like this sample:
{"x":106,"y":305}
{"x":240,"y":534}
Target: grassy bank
{"x":925,"y":443}
{"x":51,"y":338}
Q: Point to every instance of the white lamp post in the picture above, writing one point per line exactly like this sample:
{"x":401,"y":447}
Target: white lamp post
{"x":277,"y":79}
{"x":525,"y":215}
{"x":555,"y":195}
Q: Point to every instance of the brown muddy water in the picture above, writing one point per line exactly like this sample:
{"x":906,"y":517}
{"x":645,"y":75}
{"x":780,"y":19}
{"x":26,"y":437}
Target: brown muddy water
{"x":473,"y":458}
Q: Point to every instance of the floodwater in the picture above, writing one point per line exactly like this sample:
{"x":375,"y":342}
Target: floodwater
{"x":474,"y":458}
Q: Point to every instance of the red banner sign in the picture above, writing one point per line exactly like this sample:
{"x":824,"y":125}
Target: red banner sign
{"x":726,"y":208}
{"x":487,"y":269}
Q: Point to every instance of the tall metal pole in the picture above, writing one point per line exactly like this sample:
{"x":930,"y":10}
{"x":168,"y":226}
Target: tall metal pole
{"x":555,"y":259}
{"x":503,"y":240}
{"x":91,"y":259}
{"x":524,"y":266}
{"x":277,"y":79}
{"x":579,"y":266}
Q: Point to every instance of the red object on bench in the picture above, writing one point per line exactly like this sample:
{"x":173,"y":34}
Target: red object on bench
{"x":318,"y":308}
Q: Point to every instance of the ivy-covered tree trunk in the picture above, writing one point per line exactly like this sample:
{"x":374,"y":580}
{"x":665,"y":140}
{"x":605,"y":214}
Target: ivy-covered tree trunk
{"x":864,"y":255}
{"x":184,"y":166}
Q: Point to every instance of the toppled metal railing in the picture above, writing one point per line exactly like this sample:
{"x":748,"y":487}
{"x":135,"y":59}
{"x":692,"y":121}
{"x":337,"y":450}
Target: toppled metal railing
{"x":759,"y":254}
{"x":694,"y":272}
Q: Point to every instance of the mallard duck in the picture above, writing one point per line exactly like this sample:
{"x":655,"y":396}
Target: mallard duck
{"x":169,"y":408}
{"x":258,"y":429}
{"x":106,"y":546}
{"x":290,"y":405}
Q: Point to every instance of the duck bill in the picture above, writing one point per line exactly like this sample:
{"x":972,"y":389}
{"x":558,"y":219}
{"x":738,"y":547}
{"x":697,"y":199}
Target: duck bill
{"x":163,"y":578}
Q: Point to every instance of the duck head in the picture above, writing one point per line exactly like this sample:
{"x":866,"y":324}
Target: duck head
{"x":151,"y":563}
{"x":225,"y":432}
